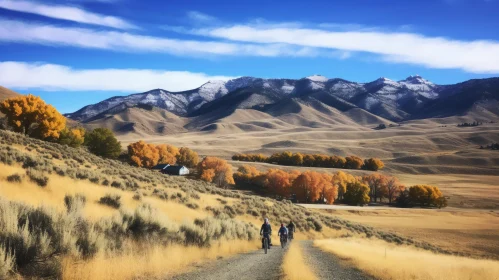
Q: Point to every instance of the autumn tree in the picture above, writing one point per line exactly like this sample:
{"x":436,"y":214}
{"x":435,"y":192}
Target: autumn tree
{"x":307,"y":186}
{"x":377,"y":185}
{"x":297,"y":159}
{"x":72,"y":137}
{"x":216,"y":170}
{"x":393,"y":188}
{"x":426,"y":195}
{"x":373,"y":164}
{"x":143,"y":154}
{"x":340,"y":180}
{"x":357,"y":193}
{"x":246,"y":173}
{"x":30,"y":115}
{"x":102,"y":142}
{"x":277,"y":182}
{"x":308,"y":160}
{"x":353,"y":162}
{"x":167,"y":154}
{"x":187,"y":157}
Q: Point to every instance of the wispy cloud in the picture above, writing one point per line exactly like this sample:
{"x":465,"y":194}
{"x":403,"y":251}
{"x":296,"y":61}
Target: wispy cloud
{"x":52,"y":77}
{"x":66,"y":13}
{"x":201,"y":17}
{"x":436,"y":52}
{"x":16,"y":31}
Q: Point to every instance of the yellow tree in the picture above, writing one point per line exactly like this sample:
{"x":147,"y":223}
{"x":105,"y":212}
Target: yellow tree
{"x":246,"y":173}
{"x":216,"y":170}
{"x":187,"y":157}
{"x":340,"y":180}
{"x":32,"y":116}
{"x":373,"y":164}
{"x":357,"y":193}
{"x":167,"y":153}
{"x":353,"y":162}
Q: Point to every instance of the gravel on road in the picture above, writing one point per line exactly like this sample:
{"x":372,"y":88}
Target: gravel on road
{"x":328,"y":266}
{"x":252,"y":265}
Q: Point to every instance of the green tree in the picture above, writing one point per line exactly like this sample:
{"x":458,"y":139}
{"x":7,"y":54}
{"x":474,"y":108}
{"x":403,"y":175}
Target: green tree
{"x":102,"y":142}
{"x":74,"y":137}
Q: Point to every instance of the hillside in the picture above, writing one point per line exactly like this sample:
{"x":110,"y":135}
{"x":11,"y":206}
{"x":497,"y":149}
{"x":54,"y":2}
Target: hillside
{"x":7,"y":93}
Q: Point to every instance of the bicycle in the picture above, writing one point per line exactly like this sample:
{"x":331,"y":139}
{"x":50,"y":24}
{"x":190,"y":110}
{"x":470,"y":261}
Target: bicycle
{"x":265,"y":241}
{"x":284,"y":239}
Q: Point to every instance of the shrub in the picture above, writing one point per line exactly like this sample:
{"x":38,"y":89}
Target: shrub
{"x":137,"y":196}
{"x":37,"y":177}
{"x":102,"y":142}
{"x":74,"y":203}
{"x":112,"y":200}
{"x":14,"y":178}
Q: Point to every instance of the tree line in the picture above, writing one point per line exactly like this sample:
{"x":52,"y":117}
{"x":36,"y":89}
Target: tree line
{"x":147,"y":155}
{"x":475,"y":123}
{"x":313,"y":187}
{"x":314,"y":160}
{"x":493,"y":146}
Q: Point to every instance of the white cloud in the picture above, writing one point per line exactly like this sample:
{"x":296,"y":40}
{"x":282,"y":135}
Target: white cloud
{"x":52,"y":77}
{"x":434,"y":52}
{"x":15,"y":31}
{"x":66,"y":13}
{"x":201,"y":17}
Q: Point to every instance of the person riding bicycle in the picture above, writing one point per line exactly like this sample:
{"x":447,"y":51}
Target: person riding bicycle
{"x":291,"y":228}
{"x":283,"y":231}
{"x":266,"y":231}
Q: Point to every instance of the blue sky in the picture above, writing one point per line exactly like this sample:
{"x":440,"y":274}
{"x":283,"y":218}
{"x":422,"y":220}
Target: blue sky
{"x":77,"y":52}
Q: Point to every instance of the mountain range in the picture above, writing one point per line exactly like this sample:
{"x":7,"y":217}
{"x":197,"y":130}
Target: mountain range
{"x":379,"y":101}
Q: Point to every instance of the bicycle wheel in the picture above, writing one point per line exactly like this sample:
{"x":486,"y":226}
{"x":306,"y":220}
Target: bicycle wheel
{"x":265,"y":244}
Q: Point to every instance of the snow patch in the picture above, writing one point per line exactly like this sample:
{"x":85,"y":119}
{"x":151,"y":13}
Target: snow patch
{"x":318,"y":78}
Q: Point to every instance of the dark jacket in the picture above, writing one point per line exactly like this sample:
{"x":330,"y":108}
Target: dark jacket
{"x":266,"y":228}
{"x":291,"y":227}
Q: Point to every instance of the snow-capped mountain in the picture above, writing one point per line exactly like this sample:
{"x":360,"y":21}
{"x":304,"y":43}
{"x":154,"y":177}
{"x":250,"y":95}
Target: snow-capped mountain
{"x":396,"y":100}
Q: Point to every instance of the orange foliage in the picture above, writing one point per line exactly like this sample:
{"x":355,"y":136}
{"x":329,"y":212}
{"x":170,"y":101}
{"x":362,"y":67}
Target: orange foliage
{"x":307,"y":186}
{"x":32,"y":116}
{"x":143,"y":154}
{"x":216,"y":170}
{"x":277,"y":182}
{"x":167,"y":153}
{"x":353,"y":162}
{"x":373,"y":164}
{"x":246,"y":173}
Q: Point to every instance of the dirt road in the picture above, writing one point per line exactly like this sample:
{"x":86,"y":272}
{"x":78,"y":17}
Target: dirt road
{"x":257,"y":265}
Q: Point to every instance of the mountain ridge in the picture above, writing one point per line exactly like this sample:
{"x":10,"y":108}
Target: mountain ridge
{"x":411,"y":98}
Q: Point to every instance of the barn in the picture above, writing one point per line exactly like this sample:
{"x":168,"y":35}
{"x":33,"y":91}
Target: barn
{"x":175,"y":170}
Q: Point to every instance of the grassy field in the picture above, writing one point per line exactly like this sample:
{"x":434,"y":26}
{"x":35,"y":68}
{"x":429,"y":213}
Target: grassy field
{"x":389,"y":262}
{"x":474,"y":232}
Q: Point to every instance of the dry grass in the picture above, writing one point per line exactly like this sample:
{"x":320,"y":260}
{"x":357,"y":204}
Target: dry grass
{"x":476,"y":231}
{"x":387,"y":261}
{"x":294,"y":265}
{"x":155,"y":262}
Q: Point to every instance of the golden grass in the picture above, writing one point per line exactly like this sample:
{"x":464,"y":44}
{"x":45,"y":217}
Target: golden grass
{"x":53,"y":195}
{"x":155,"y":262}
{"x":294,"y":265}
{"x":476,"y":231}
{"x":387,"y":261}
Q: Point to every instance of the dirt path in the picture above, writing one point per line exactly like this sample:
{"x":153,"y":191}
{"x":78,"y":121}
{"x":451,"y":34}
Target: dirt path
{"x":257,"y":265}
{"x":328,"y":266}
{"x":253,"y":265}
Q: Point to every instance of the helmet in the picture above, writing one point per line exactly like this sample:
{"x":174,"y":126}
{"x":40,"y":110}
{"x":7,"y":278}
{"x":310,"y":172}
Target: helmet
{"x":282,"y":225}
{"x":266,"y":220}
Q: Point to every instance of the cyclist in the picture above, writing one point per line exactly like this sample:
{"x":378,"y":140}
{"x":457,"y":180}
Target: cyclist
{"x":291,"y":229}
{"x":283,"y":232}
{"x":266,"y":231}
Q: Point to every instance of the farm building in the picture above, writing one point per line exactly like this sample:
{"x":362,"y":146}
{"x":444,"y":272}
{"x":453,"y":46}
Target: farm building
{"x":175,"y":170}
